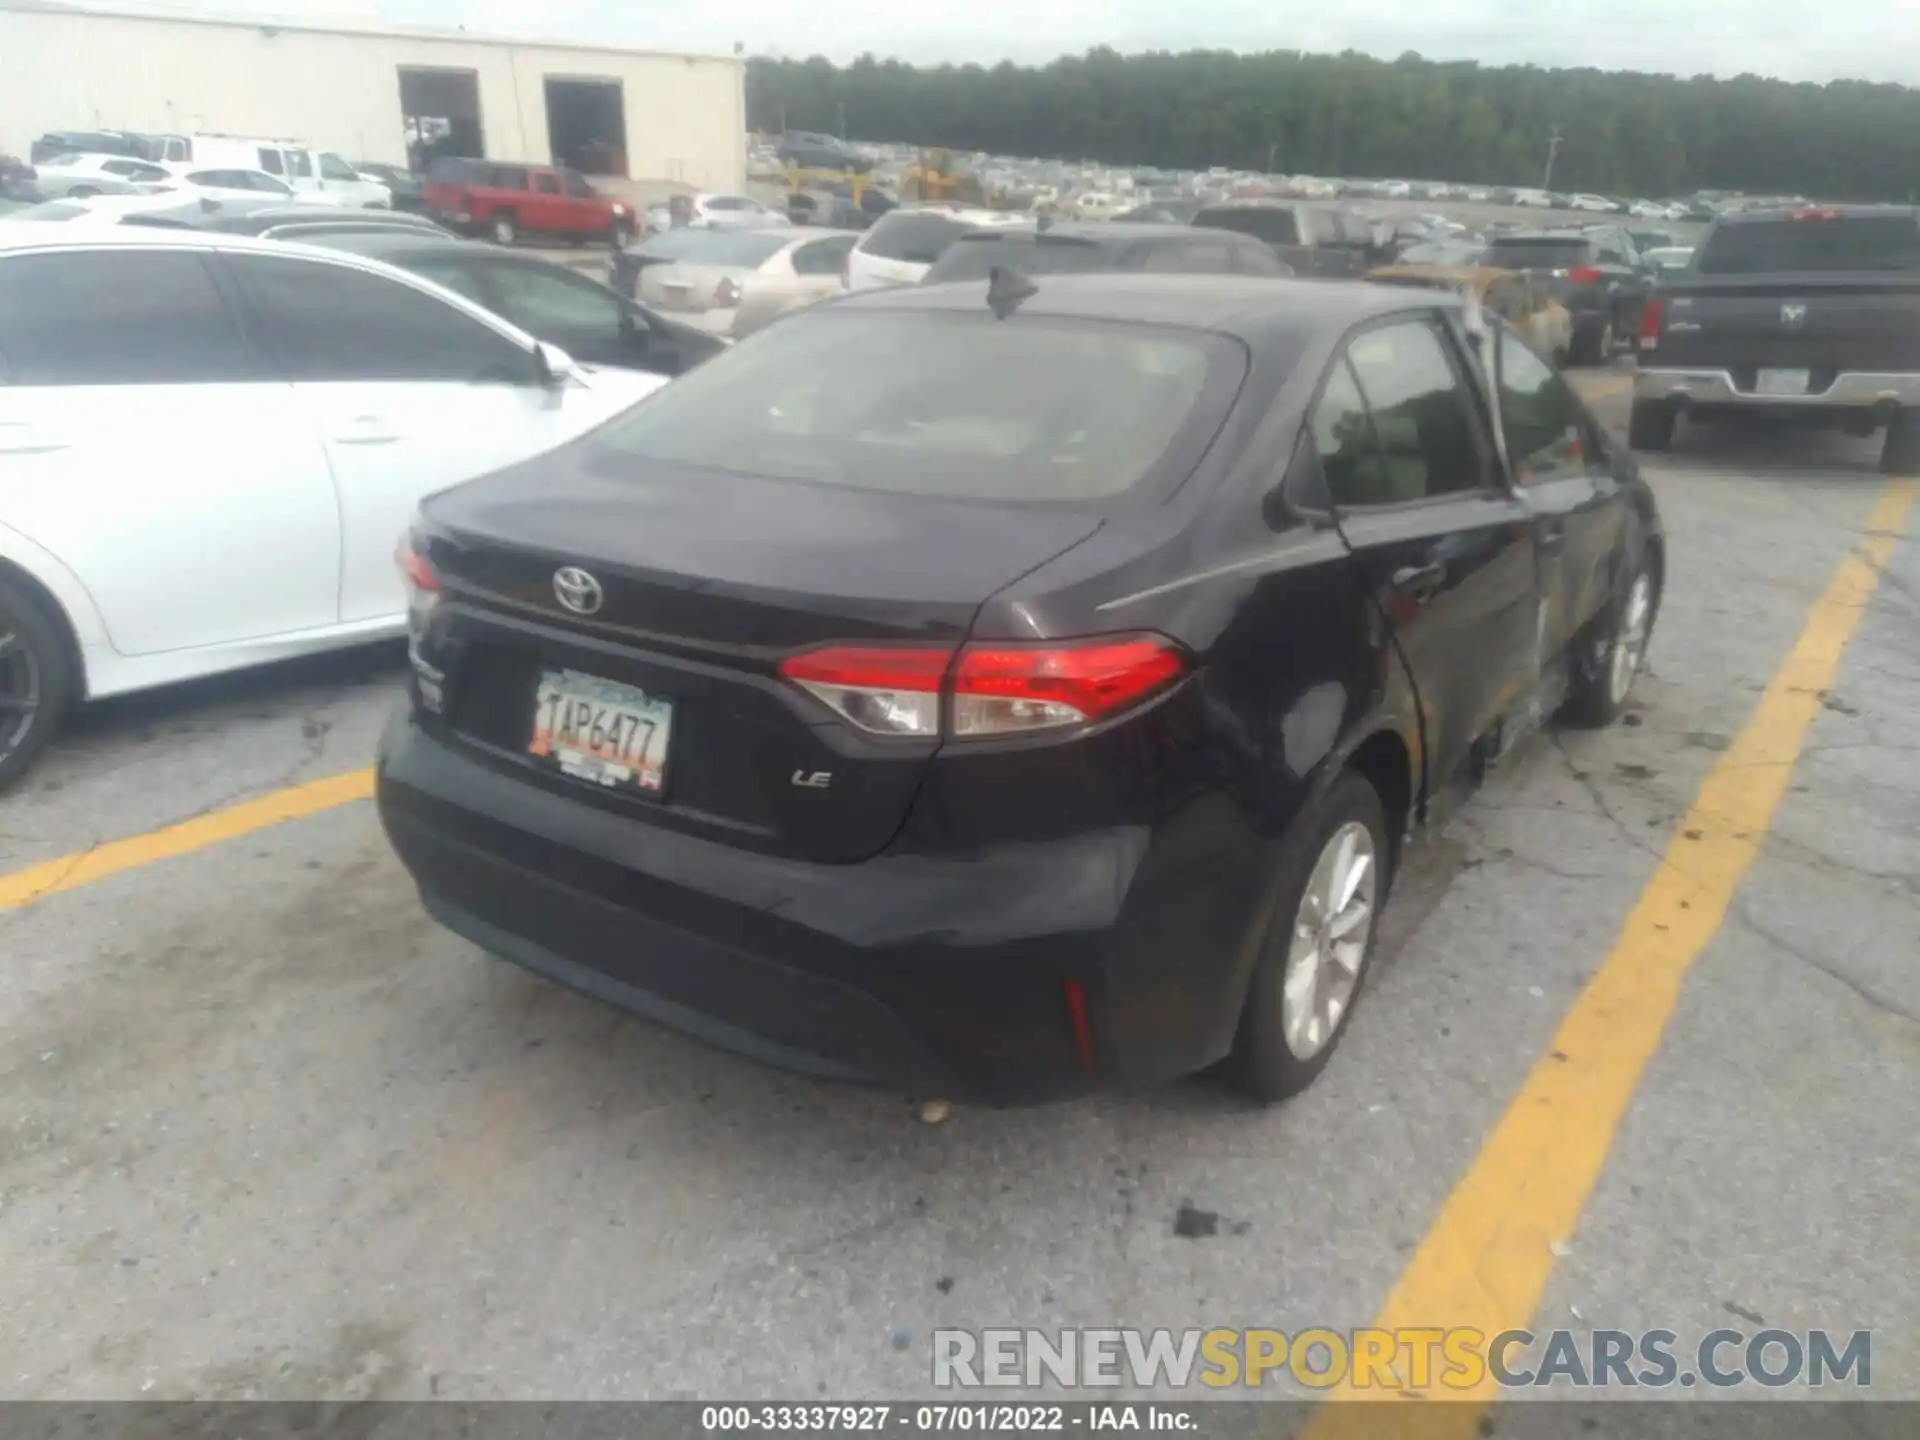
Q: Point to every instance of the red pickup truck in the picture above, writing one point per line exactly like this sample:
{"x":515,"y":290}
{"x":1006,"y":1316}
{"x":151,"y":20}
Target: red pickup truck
{"x":504,"y":202}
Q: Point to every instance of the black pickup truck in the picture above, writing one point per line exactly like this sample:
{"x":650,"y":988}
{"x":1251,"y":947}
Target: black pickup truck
{"x":1810,"y":313}
{"x":1327,"y":241}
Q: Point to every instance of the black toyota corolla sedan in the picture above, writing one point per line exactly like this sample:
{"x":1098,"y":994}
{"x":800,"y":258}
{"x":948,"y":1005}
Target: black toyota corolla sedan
{"x":999,"y":690}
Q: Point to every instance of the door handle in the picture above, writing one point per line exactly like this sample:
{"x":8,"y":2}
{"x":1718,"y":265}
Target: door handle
{"x":17,"y":438}
{"x":1420,"y":583}
{"x":367,"y":430}
{"x":1553,"y":537}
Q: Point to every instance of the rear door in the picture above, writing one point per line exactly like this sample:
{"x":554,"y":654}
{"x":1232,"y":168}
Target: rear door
{"x":546,"y":208}
{"x":409,"y":394}
{"x":1559,"y":460}
{"x":1447,"y":548}
{"x":144,"y":443}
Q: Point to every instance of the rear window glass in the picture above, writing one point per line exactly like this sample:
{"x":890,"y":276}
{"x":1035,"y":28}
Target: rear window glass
{"x":1032,"y":411}
{"x":1879,"y":242}
{"x":1276,"y":227}
{"x":1539,"y":253}
{"x":972,"y":257}
{"x":726,"y":247}
{"x":918,"y":238}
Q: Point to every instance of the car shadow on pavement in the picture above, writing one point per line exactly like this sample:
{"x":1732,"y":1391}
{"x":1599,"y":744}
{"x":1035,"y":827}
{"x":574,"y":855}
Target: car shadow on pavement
{"x":268,"y":692}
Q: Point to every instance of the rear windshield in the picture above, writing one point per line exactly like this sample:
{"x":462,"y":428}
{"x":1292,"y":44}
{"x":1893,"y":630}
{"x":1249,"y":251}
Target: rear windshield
{"x":972,"y":257}
{"x":917,"y":237}
{"x":1548,"y":252}
{"x":947,"y":404}
{"x":1761,"y":247}
{"x":743,"y":248}
{"x":1276,"y":227}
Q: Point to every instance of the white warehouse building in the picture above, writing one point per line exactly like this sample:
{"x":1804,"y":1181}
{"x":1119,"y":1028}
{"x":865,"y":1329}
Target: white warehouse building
{"x":372,"y":94}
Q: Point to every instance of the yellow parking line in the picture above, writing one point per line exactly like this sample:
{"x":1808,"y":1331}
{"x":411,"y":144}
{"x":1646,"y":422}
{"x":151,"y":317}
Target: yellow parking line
{"x":1487,"y":1258}
{"x":37,"y":882}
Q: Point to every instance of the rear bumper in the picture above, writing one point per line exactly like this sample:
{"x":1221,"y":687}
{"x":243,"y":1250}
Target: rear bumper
{"x":956,"y":977}
{"x":1848,"y":390}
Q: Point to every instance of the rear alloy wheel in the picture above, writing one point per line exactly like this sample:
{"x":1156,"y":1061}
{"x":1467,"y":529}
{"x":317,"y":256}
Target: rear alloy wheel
{"x":1333,"y":880}
{"x":1900,"y":453}
{"x":1603,"y":677}
{"x":1650,"y":425}
{"x":506,"y":229}
{"x":36,"y":680}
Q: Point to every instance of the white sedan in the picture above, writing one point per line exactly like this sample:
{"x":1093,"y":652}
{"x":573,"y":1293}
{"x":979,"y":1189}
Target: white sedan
{"x":276,"y":413}
{"x":1599,"y":204}
{"x":80,"y":176}
{"x":731,"y":282}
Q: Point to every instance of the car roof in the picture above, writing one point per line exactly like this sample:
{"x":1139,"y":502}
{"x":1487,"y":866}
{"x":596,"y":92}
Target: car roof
{"x":1250,"y":308}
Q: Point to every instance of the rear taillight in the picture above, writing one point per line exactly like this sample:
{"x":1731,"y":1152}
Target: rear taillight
{"x":1585,"y":275}
{"x":1652,"y":313}
{"x":987,"y":689}
{"x":423,"y":585}
{"x":1005,"y":689}
{"x":1815,"y":212}
{"x":882,"y":690}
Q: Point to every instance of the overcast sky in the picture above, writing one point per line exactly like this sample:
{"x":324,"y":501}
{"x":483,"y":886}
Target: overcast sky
{"x":1793,"y":39}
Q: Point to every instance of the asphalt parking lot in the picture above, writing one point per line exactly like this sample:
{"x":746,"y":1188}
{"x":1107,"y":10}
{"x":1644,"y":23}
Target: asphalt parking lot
{"x":266,"y":1131}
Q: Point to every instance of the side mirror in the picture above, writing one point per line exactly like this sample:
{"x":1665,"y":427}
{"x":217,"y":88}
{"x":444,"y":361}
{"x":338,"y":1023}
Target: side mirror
{"x":556,"y":367}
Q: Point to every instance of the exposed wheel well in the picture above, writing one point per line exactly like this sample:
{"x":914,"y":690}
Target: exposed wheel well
{"x":1384,"y":761}
{"x":49,"y":607}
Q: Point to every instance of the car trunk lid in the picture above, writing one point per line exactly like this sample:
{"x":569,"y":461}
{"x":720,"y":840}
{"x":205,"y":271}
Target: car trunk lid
{"x":707,"y":580}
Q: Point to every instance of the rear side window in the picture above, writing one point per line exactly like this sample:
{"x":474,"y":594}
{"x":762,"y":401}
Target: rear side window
{"x":915,"y":237}
{"x":328,"y":322}
{"x":508,"y":177}
{"x":117,"y":317}
{"x":300,"y":164}
{"x":270,"y":161}
{"x":1419,"y":413}
{"x":578,"y":186}
{"x":822,"y":257}
{"x":1540,"y":254}
{"x":1539,"y":418}
{"x":1761,"y":247}
{"x":546,"y":184}
{"x":939,"y":403}
{"x":1274,"y":226}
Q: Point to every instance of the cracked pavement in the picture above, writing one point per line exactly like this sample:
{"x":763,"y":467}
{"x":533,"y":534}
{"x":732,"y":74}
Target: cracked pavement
{"x":264,"y":1130}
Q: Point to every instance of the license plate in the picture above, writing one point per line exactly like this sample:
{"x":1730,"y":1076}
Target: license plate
{"x":1783,"y":382}
{"x":594,"y":729}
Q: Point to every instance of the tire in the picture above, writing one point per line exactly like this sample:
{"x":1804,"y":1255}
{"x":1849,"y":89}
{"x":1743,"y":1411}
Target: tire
{"x":1900,"y":453}
{"x":36,"y":680}
{"x":504,"y":229}
{"x":1281,"y":1046}
{"x":1608,"y":659}
{"x":1650,"y":425}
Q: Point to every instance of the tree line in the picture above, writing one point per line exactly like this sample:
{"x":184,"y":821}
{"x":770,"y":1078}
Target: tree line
{"x":1353,"y":115}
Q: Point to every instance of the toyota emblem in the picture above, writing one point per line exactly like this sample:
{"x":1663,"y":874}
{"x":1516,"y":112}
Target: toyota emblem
{"x":577,"y":590}
{"x":1793,"y":316}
